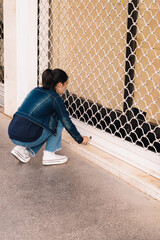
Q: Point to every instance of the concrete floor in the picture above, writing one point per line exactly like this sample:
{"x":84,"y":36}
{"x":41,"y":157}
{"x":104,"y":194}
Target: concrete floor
{"x":74,"y":201}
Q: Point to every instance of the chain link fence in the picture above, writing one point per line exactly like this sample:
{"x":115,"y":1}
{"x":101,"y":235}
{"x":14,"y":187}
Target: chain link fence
{"x":111,"y":52}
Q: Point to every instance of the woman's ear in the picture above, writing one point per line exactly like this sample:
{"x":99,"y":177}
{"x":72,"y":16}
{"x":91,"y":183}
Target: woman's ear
{"x":59,"y":85}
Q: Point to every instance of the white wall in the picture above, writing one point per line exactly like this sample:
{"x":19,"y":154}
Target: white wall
{"x":20,"y":51}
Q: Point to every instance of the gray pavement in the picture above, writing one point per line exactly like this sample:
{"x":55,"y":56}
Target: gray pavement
{"x":74,"y":201}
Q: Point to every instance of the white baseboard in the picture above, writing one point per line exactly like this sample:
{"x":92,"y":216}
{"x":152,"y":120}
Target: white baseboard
{"x":130,"y":153}
{"x":127,"y":172}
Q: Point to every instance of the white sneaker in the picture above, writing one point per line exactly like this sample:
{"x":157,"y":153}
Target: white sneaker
{"x":21,"y":154}
{"x":50,"y":158}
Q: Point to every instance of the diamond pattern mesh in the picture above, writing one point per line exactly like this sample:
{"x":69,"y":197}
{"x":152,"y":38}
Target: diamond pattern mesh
{"x":111,"y":52}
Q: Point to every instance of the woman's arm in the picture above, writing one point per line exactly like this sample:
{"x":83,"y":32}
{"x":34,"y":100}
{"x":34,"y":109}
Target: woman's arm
{"x":62,"y":113}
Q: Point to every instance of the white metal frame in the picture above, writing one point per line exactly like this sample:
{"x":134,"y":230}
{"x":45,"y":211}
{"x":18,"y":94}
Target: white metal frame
{"x":43,"y":36}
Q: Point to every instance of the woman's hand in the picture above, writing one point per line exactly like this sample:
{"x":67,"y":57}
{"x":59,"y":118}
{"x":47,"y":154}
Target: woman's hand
{"x":85,"y":140}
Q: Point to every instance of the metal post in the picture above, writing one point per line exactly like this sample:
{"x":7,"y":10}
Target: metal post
{"x":130,"y":57}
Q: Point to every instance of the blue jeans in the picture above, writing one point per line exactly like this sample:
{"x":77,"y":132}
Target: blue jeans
{"x":53,"y":143}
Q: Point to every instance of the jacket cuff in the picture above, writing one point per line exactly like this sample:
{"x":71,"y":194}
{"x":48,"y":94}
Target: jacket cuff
{"x":80,"y":140}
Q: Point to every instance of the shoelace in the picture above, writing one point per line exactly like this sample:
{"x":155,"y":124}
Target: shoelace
{"x":26,"y":153}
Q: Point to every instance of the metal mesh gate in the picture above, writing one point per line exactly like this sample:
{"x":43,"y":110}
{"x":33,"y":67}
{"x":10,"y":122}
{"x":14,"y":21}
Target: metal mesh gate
{"x":111,"y":52}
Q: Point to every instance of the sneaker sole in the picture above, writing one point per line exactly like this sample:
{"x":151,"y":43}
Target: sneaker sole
{"x":20,"y":157}
{"x":54,"y":162}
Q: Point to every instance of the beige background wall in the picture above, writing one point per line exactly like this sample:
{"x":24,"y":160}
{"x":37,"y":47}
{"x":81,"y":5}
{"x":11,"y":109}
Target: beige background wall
{"x":147,"y":79}
{"x":89,"y":41}
{"x":93,"y":53}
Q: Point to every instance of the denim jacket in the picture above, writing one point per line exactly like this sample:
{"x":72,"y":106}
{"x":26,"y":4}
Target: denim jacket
{"x":46,"y":108}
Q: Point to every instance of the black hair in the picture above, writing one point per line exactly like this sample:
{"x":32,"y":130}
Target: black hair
{"x":50,"y":78}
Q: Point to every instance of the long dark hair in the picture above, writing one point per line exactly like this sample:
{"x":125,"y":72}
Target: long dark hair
{"x":50,"y":78}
